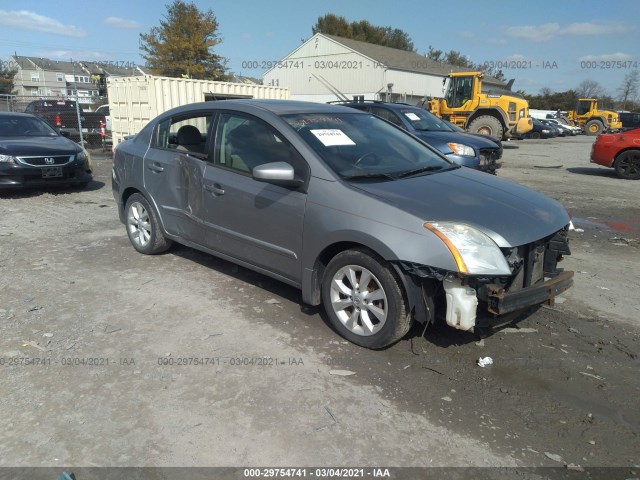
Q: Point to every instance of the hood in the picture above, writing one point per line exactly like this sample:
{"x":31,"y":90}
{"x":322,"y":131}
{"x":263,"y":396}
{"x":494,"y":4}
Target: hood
{"x":19,"y":146}
{"x":512,"y":215}
{"x":439,"y":140}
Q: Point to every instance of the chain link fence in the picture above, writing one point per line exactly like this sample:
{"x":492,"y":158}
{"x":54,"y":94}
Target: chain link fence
{"x":73,"y":119}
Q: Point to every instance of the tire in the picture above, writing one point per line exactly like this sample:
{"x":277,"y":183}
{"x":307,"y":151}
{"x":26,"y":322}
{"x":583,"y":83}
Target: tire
{"x":593,"y":128}
{"x":143,"y":228}
{"x":373,"y":319}
{"x":534,"y":135}
{"x":487,"y":125}
{"x":628,"y":165}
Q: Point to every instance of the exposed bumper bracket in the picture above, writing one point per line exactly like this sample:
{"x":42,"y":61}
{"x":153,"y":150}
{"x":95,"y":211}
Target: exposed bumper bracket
{"x":500,"y":301}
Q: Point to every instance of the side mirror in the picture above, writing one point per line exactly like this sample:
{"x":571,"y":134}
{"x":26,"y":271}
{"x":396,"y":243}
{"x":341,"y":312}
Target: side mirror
{"x":64,"y":133}
{"x":278,"y":173}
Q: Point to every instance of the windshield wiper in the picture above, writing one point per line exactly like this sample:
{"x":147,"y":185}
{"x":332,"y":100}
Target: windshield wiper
{"x":386,"y":176}
{"x":430,"y":168}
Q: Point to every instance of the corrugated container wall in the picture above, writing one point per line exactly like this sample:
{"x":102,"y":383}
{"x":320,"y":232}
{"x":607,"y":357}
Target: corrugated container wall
{"x":133,"y":101}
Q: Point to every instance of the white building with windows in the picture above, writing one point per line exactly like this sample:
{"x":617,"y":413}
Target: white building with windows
{"x":326,"y":66}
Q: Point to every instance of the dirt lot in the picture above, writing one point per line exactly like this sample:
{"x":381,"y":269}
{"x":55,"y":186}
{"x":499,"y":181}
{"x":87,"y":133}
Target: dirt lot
{"x":183,"y":359}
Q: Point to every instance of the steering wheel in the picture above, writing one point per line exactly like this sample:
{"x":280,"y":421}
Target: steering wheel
{"x":27,"y":132}
{"x":362,"y":157}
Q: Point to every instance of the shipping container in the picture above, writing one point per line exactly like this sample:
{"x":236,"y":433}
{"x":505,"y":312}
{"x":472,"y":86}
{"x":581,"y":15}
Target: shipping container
{"x":133,"y":101}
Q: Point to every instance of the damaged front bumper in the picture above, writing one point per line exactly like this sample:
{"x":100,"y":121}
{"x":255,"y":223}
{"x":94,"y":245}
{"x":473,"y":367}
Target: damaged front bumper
{"x":459,"y":299}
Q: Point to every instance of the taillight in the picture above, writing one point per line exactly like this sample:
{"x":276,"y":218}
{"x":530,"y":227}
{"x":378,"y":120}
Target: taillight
{"x":58,"y":121}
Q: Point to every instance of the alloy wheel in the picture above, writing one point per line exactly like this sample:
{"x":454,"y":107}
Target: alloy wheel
{"x":358,"y":300}
{"x":138,"y":224}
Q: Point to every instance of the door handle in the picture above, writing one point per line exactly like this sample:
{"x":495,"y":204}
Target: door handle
{"x":215,"y":189}
{"x":156,"y":167}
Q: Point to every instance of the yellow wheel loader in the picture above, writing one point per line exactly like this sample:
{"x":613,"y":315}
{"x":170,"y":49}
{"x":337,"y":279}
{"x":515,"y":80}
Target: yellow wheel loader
{"x":594,"y":121}
{"x":499,"y":113}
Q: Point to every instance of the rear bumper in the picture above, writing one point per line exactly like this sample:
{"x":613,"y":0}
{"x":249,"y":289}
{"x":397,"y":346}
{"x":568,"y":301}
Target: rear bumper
{"x":501,"y":302}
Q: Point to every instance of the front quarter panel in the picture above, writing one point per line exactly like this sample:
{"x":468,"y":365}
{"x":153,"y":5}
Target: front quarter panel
{"x":339,"y":213}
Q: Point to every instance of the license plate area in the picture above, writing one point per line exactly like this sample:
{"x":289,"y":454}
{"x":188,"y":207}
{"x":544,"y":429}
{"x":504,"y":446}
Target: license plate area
{"x":52,"y":172}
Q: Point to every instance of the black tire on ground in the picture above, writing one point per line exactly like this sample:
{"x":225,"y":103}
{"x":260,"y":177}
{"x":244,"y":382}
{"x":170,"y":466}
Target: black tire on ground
{"x":534,"y":135}
{"x":385,"y":291}
{"x":143,"y":227}
{"x":627,"y":165}
{"x":487,"y":125}
{"x":593,"y":128}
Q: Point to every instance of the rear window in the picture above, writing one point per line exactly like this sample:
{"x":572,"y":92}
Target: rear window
{"x":56,"y":104}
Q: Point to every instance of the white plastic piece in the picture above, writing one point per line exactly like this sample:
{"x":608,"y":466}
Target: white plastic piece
{"x":482,"y":361}
{"x":462,"y":304}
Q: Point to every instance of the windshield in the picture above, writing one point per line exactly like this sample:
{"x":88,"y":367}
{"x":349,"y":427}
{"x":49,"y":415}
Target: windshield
{"x":19,"y":126}
{"x":425,"y":121}
{"x":363,"y":146}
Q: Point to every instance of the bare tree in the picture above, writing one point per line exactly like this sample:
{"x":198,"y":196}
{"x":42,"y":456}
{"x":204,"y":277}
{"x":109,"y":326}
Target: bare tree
{"x":590,"y":89}
{"x":629,"y":88}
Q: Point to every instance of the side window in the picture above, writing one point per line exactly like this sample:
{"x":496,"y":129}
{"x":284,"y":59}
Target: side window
{"x":184,"y":133}
{"x":387,"y":115}
{"x":243,"y":143}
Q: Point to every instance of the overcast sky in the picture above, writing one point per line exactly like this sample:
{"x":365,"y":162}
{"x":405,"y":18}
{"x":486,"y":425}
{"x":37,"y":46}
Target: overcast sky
{"x":555,"y":44}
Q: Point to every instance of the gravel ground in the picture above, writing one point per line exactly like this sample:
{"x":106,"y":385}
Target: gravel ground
{"x":112,"y":358}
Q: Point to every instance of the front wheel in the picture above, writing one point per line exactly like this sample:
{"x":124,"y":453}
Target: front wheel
{"x":628,"y":165}
{"x":593,"y":128}
{"x":143,"y":227}
{"x":487,"y":125}
{"x":364,"y":300}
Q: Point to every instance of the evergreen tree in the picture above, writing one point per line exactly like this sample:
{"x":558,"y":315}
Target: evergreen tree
{"x":363,"y":31}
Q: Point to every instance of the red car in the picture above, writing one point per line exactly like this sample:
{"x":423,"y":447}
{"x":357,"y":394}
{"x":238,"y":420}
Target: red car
{"x":620,"y":151}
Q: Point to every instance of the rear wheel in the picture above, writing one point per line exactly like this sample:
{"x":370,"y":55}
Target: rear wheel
{"x":143,"y":227}
{"x":628,"y":165}
{"x":534,"y":135}
{"x":593,"y":127}
{"x":487,"y":125}
{"x":364,"y":300}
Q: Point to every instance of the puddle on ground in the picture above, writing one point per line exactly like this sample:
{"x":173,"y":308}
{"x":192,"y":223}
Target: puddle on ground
{"x":631,"y":225}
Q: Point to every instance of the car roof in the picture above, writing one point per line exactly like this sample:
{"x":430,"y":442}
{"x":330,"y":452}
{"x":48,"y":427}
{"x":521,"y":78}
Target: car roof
{"x":278,"y":107}
{"x":17,"y":114}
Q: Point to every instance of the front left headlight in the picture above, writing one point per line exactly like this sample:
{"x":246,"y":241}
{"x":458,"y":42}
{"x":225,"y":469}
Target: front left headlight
{"x":473,"y":251}
{"x":84,"y":157}
{"x":460,"y":149}
{"x":7,"y":159}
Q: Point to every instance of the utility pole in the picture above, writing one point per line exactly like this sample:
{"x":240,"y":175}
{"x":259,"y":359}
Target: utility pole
{"x":73,"y":70}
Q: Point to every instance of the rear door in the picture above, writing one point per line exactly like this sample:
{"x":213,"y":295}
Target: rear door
{"x":255,"y":222}
{"x":173,"y":170}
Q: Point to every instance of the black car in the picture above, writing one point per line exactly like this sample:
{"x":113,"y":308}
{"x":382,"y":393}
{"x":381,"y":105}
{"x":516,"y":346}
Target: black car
{"x":34,"y":154}
{"x":630,"y":120}
{"x":540,"y":130}
{"x":462,"y":148}
{"x":553,"y":126}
